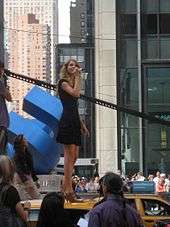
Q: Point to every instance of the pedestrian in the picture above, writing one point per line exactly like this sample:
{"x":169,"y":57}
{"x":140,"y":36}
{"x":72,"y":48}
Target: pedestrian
{"x":12,"y":212}
{"x":113,"y":211}
{"x":70,"y":125}
{"x":4,"y":117}
{"x":26,"y":180}
{"x":52,"y":212}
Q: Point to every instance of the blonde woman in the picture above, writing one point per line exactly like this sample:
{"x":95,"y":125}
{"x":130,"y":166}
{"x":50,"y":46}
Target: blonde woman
{"x":9,"y":198}
{"x":70,"y":125}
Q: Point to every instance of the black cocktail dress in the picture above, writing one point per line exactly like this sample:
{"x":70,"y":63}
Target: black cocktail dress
{"x":69,"y":126}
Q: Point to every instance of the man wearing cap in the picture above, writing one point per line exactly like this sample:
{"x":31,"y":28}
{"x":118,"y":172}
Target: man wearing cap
{"x":4,"y":117}
{"x":113,"y":211}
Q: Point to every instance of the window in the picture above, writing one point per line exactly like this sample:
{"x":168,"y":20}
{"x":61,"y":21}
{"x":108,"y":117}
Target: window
{"x":82,"y":15}
{"x":164,"y":23}
{"x":82,"y":23}
{"x":73,"y":4}
{"x":128,"y":23}
{"x":158,"y":93}
{"x":128,"y":5}
{"x":129,"y":47}
{"x":155,"y":208}
{"x":165,"y":47}
{"x":149,"y":24}
{"x":164,"y":6}
{"x":150,"y":6}
{"x":155,"y":43}
{"x":150,"y":48}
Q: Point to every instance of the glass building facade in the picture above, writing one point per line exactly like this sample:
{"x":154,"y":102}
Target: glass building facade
{"x":82,"y":21}
{"x":143,"y":80}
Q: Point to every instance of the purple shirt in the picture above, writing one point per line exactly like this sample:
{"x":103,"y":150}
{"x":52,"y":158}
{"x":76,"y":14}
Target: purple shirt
{"x":4,"y":117}
{"x":111,"y":214}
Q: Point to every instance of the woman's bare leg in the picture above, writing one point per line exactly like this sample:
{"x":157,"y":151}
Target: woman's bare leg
{"x":76,"y":154}
{"x":70,"y":157}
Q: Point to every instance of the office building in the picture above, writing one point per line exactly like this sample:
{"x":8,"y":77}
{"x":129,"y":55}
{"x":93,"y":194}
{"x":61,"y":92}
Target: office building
{"x":46,"y":11}
{"x":82,"y":21}
{"x":132,"y":70}
{"x":29,"y":55}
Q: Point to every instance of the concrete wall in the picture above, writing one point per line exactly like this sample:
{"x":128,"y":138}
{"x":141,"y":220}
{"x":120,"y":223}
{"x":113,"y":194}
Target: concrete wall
{"x":106,"y":119}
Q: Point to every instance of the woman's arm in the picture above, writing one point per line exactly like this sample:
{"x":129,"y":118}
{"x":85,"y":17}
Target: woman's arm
{"x":21,"y":212}
{"x":8,"y":96}
{"x":5,"y":92}
{"x":84,"y":129}
{"x":75,"y":90}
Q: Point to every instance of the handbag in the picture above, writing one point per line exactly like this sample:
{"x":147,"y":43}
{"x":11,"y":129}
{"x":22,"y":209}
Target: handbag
{"x":7,"y":217}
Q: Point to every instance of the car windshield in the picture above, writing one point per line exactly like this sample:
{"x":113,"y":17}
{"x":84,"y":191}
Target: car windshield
{"x":155,"y":207}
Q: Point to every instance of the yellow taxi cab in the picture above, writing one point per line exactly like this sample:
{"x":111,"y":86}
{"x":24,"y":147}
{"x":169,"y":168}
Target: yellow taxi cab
{"x":151,"y":207}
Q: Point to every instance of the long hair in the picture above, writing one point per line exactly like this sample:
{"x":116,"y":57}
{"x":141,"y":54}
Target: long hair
{"x":52,"y":211}
{"x":18,"y":145}
{"x":64,"y":73}
{"x":6,"y":169}
{"x":114,"y":185}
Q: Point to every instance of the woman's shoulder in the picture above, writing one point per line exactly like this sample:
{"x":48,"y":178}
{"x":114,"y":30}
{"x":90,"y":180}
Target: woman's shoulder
{"x":61,"y":81}
{"x":12,"y":189}
{"x":9,"y":188}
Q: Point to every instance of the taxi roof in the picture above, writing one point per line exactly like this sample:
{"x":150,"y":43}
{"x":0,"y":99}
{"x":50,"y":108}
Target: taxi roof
{"x":87,"y":204}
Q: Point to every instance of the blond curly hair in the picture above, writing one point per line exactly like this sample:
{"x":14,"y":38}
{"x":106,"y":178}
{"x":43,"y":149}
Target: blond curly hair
{"x":64,"y":73}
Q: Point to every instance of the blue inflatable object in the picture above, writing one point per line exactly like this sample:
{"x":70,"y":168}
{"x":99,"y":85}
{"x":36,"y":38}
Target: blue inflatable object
{"x":43,"y":106}
{"x":40,"y":132}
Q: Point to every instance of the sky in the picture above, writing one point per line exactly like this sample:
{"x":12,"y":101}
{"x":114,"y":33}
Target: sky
{"x":64,"y":20}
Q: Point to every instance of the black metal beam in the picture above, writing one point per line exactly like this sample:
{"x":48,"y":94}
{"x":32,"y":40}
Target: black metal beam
{"x":100,"y":102}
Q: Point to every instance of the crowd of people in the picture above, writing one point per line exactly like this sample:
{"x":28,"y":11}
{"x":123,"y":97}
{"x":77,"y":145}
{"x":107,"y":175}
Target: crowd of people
{"x":113,"y":206}
{"x":161,"y":180}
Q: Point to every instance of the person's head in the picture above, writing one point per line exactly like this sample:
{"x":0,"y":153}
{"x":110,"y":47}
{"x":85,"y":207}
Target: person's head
{"x":161,"y":181}
{"x":112,"y":184}
{"x":163,"y":175}
{"x":139,"y":174}
{"x":83,"y":181}
{"x":51,"y":211}
{"x":1,"y":68}
{"x":96,"y":179}
{"x":6,"y":169}
{"x":119,"y":172}
{"x":20,"y":143}
{"x":68,"y":69}
{"x":158,"y":174}
{"x":75,"y":179}
{"x":150,"y":177}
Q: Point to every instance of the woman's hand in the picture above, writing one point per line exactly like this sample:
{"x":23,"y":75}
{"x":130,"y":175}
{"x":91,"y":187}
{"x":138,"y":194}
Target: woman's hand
{"x":77,"y":72}
{"x":27,"y":205}
{"x":84,"y":129}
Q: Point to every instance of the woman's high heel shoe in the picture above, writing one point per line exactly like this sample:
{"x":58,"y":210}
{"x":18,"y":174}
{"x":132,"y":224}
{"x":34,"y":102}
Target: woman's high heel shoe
{"x":71,"y":197}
